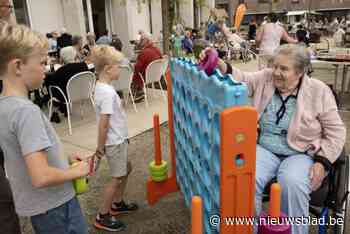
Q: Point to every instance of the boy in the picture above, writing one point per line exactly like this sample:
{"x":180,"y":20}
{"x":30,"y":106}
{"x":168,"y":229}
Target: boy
{"x":8,"y":218}
{"x":112,"y":138}
{"x":40,"y":177}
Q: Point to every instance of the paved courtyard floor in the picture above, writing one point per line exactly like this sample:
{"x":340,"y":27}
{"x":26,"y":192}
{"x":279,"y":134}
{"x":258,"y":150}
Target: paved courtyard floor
{"x":169,"y":215}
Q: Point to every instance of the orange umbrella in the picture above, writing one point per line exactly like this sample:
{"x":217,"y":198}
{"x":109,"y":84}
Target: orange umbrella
{"x":240,"y":11}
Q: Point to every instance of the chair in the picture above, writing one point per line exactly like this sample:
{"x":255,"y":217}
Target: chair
{"x":331,"y":199}
{"x":154,"y":72}
{"x":165,"y":66}
{"x":124,"y":83}
{"x":79,"y":88}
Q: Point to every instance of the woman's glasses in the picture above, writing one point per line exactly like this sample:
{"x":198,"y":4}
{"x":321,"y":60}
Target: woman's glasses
{"x":282,"y":69}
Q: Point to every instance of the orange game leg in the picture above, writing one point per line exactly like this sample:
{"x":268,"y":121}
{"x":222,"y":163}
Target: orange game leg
{"x":238,"y":149}
{"x":157,"y":190}
{"x":197,"y":215}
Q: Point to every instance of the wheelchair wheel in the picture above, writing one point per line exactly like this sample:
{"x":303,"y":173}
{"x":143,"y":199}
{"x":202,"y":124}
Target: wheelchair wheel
{"x":343,"y":210}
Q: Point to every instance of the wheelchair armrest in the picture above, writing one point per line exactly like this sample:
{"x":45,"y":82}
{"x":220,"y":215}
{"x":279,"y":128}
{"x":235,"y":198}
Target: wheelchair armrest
{"x":341,"y":159}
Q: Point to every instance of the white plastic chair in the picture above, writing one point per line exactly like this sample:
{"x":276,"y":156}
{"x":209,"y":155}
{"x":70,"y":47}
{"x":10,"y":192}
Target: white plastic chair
{"x":79,"y":88}
{"x":124,"y":83}
{"x":154,"y":72}
{"x":165,"y":66}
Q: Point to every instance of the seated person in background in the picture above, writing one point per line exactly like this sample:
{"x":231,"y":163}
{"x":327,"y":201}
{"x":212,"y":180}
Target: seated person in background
{"x":148,"y":54}
{"x":199,"y":43}
{"x":74,"y":53}
{"x":117,"y":44}
{"x":60,"y":78}
{"x":90,"y":38}
{"x":52,"y":42}
{"x":301,"y":132}
{"x":235,"y":40}
{"x":139,"y":38}
{"x":301,"y":35}
{"x":64,"y":40}
{"x":104,"y":39}
{"x":187,"y":44}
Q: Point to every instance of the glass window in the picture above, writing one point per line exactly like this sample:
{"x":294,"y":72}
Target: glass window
{"x":86,"y":16}
{"x":21,"y":12}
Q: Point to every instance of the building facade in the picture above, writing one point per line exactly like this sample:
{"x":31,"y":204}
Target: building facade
{"x":121,"y":17}
{"x":330,"y":8}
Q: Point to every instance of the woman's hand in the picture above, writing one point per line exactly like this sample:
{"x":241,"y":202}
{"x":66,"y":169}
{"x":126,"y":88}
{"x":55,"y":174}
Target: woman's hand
{"x":221,"y":63}
{"x":202,"y":55}
{"x":317,"y":174}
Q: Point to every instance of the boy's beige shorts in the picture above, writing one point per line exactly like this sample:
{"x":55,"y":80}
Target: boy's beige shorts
{"x":117,"y":158}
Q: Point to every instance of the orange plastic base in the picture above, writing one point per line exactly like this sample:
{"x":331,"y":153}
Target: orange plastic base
{"x":157,"y":190}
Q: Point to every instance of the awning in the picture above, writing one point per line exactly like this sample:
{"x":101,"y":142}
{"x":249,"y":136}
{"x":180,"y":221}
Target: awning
{"x":219,"y":13}
{"x":291,"y":13}
{"x":263,"y":13}
{"x":334,"y":9}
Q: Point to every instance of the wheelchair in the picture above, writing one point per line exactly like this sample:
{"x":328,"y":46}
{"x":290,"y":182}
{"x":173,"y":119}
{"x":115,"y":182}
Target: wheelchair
{"x":331,"y":199}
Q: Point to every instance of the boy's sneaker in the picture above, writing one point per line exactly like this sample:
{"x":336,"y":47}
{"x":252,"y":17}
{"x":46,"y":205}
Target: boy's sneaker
{"x":123,"y":208}
{"x":109,"y":223}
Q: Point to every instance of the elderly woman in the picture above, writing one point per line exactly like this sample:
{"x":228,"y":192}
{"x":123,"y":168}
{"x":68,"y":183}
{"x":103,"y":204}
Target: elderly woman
{"x":301,"y":132}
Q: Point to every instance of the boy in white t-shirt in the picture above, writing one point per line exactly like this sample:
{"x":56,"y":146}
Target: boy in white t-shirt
{"x":112,"y":138}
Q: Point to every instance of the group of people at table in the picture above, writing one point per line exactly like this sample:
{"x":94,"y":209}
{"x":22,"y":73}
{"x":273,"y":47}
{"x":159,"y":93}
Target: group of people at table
{"x":75,"y":58}
{"x":301,"y":133}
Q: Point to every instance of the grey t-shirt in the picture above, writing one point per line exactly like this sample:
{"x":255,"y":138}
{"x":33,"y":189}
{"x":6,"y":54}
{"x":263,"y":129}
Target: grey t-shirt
{"x":24,"y":129}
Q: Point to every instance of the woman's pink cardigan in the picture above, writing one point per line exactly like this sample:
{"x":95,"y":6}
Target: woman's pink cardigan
{"x":316,"y":127}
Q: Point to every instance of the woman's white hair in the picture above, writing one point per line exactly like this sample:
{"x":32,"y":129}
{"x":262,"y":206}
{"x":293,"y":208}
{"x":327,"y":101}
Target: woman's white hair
{"x":298,"y":54}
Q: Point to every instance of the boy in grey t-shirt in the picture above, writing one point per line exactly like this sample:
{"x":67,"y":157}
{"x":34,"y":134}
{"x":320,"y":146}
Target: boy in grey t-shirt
{"x":39,"y":175}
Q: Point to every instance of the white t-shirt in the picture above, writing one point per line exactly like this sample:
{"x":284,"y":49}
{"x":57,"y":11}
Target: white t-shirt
{"x":339,"y":35}
{"x":271,"y":38}
{"x":107,"y":101}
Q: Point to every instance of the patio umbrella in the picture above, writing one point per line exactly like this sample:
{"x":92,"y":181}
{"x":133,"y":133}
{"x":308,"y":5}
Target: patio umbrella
{"x":240,"y":11}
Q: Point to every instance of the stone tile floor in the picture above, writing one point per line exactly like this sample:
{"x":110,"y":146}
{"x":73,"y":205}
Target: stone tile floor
{"x":169,"y":215}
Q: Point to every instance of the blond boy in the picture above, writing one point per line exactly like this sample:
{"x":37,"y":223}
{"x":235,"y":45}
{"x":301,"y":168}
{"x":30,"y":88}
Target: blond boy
{"x":40,"y":177}
{"x":112,"y":137}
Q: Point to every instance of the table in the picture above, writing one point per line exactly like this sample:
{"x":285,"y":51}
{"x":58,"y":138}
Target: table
{"x":336,"y":65}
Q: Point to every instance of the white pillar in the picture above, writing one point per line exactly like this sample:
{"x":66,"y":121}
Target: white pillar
{"x":157,"y":25}
{"x":122,"y":24}
{"x":187,"y":13}
{"x":89,"y":14}
{"x":73,"y":14}
{"x":205,"y":10}
{"x":108,"y":12}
